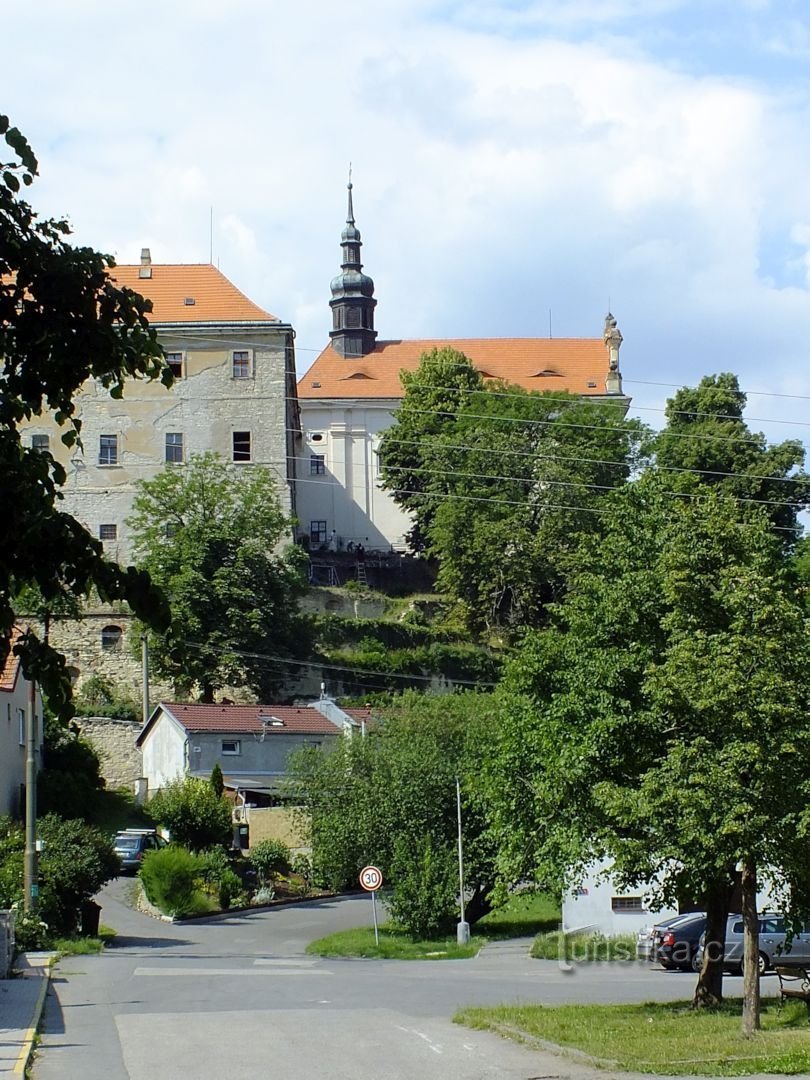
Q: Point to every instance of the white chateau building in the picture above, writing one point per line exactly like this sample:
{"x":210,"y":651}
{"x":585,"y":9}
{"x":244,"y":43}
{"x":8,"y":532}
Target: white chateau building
{"x":349,"y":396}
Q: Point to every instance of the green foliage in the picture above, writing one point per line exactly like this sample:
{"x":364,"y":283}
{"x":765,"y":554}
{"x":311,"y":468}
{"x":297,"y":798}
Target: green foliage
{"x":76,"y":861}
{"x":62,"y":323}
{"x":216,"y":780}
{"x":301,"y":866}
{"x":462,"y":662}
{"x":98,"y":697}
{"x":209,"y":535}
{"x":270,"y":857}
{"x":193,"y":813}
{"x":71,"y":783}
{"x":218,"y":878}
{"x":170,"y":877}
{"x":502,"y":483}
{"x":584,"y":948}
{"x":31,"y":932}
{"x":425,"y":887}
{"x":397,"y":786}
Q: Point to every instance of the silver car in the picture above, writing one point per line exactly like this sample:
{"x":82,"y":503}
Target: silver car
{"x":773,"y":947}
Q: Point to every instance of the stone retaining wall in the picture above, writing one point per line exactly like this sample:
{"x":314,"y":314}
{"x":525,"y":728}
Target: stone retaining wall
{"x":114,"y":742}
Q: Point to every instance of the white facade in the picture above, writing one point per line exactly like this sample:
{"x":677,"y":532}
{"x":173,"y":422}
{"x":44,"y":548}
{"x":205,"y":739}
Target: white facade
{"x":598,"y":906}
{"x":165,"y":753}
{"x":346,"y":496}
{"x":14,"y":693}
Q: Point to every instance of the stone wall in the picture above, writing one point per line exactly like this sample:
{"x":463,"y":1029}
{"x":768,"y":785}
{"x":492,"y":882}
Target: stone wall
{"x":114,"y":742}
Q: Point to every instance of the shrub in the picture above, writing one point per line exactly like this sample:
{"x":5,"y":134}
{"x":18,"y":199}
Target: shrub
{"x":99,"y":697}
{"x":423,"y":901}
{"x":218,"y":878}
{"x":193,"y":813}
{"x":170,"y":878}
{"x":76,"y":861}
{"x":30,"y":932}
{"x":302,"y":867}
{"x":216,"y":780}
{"x":270,"y":857}
{"x":71,"y":782}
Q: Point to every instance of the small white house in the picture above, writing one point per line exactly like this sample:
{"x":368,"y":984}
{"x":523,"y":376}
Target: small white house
{"x":251,"y":743}
{"x":599,"y":906}
{"x":14,"y":694}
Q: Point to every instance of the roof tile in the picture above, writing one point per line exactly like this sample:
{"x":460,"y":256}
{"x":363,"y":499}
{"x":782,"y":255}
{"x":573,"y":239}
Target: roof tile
{"x":578,"y":365}
{"x":216,"y":299}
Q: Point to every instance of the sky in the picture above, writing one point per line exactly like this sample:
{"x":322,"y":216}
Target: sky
{"x":517,"y":164}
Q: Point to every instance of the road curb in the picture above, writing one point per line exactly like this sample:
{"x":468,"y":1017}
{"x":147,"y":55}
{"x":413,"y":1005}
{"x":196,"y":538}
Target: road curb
{"x":30,"y":1035}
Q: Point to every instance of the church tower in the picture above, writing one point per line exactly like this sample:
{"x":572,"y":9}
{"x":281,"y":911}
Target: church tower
{"x":352,"y":302}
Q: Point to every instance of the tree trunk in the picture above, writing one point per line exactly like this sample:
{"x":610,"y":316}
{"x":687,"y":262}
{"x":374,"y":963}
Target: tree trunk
{"x":750,"y":1014}
{"x":709,"y":990}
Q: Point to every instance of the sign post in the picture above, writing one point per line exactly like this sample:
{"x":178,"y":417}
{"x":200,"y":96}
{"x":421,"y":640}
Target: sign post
{"x":371,"y":880}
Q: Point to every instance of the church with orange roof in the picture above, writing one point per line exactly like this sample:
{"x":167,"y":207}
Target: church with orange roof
{"x":350,"y":395}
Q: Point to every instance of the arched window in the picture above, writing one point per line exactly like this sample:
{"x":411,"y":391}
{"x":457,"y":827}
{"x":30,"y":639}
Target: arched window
{"x":111,"y":637}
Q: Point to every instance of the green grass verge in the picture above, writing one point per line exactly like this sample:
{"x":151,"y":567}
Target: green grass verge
{"x":522,"y":915}
{"x":84,"y":946}
{"x":581,"y":948}
{"x":394,"y":944}
{"x":671,"y":1039}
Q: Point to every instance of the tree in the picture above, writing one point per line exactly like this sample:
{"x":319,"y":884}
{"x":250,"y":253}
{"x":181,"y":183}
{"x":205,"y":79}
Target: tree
{"x":216,"y":780}
{"x":194,"y":814}
{"x":62,"y":321}
{"x":501,"y":482}
{"x":209,"y":534}
{"x":434,"y":393}
{"x":390,"y":799}
{"x":665,"y":711}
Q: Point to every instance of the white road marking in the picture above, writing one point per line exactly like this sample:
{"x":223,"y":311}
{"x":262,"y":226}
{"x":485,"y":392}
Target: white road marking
{"x":412,"y":1031}
{"x":200,"y":972}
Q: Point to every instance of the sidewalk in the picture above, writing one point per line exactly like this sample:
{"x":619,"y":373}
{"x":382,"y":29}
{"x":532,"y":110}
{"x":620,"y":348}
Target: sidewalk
{"x":21,"y":1002}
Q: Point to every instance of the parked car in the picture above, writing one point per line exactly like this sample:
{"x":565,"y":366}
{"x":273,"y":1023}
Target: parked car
{"x":132,"y":844}
{"x":773,"y":946}
{"x":678,"y":946}
{"x":650,"y":938}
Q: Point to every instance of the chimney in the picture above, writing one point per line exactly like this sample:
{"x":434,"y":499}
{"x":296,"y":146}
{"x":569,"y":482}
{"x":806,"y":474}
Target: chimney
{"x":145,"y":270}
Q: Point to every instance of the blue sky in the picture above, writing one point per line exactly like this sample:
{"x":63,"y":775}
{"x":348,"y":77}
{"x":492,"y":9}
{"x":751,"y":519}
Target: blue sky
{"x":509,"y":158}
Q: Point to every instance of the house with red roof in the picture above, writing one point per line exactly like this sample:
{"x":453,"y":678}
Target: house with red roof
{"x":350,"y":394}
{"x":251,"y":743}
{"x":15,"y":692}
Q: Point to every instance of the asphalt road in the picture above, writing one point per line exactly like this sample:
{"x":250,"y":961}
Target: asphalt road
{"x":239,"y":997}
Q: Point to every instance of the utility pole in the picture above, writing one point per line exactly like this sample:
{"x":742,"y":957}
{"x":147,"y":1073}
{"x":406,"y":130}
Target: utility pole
{"x":30,"y":874}
{"x":463,"y":928}
{"x":145,"y":676}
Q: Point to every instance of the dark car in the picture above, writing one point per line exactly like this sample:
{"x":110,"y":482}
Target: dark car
{"x":679,"y":945}
{"x":132,"y":844}
{"x":649,"y":938}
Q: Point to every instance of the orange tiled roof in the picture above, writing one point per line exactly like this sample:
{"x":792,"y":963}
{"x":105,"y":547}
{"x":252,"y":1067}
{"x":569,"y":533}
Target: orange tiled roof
{"x":215,"y":298}
{"x":578,"y":365}
{"x":11,"y":668}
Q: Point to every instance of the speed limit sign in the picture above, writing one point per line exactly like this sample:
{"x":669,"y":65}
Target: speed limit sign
{"x":370,"y":878}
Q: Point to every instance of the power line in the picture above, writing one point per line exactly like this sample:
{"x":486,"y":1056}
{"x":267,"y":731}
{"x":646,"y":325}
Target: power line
{"x":333,"y":667}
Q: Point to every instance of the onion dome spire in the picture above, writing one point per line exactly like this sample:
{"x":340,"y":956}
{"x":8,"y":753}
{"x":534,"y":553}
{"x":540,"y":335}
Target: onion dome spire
{"x":352,"y":302}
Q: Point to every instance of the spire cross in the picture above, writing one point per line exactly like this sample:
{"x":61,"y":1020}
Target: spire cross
{"x":350,"y":217}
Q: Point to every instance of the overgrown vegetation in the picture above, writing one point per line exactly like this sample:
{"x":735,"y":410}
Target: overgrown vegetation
{"x":194,"y":814}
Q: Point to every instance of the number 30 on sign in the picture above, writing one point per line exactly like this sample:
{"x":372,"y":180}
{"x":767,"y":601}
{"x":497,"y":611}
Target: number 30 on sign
{"x":370,"y":878}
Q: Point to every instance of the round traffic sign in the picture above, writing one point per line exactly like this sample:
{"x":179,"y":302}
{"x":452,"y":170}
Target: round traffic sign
{"x":370,"y":878}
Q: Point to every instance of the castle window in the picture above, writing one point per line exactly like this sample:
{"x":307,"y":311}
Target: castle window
{"x":174,"y":447}
{"x":174,"y":361}
{"x":111,"y":637}
{"x":40,"y":442}
{"x":241,"y":446}
{"x":108,"y":532}
{"x":354,"y":318}
{"x":317,"y":465}
{"x":108,"y":449}
{"x":241,"y":364}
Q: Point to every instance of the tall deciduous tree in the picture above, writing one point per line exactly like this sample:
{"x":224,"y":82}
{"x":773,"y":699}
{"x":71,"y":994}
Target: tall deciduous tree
{"x":62,"y":321}
{"x":661,"y":722}
{"x":390,"y":799}
{"x":210,"y":535}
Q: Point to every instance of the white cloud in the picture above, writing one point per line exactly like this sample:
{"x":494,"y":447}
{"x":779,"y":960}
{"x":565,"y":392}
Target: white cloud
{"x":497,"y":173}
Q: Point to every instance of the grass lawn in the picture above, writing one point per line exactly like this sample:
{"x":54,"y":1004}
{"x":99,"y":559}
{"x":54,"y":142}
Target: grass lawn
{"x":581,"y":948}
{"x":670,"y":1039}
{"x":523,"y":915}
